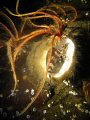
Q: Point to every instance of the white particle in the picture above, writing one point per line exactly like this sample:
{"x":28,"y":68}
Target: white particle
{"x":47,"y":95}
{"x":27,"y":116}
{"x":55,"y":115}
{"x":52,"y":102}
{"x":49,"y":105}
{"x":34,"y":109}
{"x":17,"y":90}
{"x":17,"y":80}
{"x":68,"y":111}
{"x":64,"y":112}
{"x":87,"y":13}
{"x":1,"y":95}
{"x":84,"y":102}
{"x":43,"y":119}
{"x":27,"y":90}
{"x":65,"y":82}
{"x":61,"y":106}
{"x":24,"y":70}
{"x":32,"y":91}
{"x":44,"y":111}
{"x":32,"y":99}
{"x":86,"y":111}
{"x":13,"y":94}
{"x":17,"y":112}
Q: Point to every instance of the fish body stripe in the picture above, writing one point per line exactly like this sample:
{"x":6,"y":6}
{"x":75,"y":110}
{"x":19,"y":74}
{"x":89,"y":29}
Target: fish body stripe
{"x":55,"y":56}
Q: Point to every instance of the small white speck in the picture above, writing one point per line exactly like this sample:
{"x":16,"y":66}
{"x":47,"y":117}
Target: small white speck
{"x":32,"y":91}
{"x":13,"y":94}
{"x":65,"y":82}
{"x":24,"y":70}
{"x":17,"y":90}
{"x":32,"y":99}
{"x":64,"y":112}
{"x":17,"y":80}
{"x":86,"y":111}
{"x":17,"y":112}
{"x":49,"y":105}
{"x":55,"y":115}
{"x":1,"y":95}
{"x":87,"y":13}
{"x":61,"y":106}
{"x":68,"y":111}
{"x":34,"y":109}
{"x":27,"y":90}
{"x":27,"y":116}
{"x":44,"y":111}
{"x":47,"y":95}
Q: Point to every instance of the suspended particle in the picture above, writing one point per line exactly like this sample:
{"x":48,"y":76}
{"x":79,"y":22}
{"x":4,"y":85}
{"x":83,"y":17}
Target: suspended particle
{"x":64,"y":113}
{"x":49,"y":105}
{"x":47,"y":95}
{"x":43,"y":119}
{"x":1,"y":95}
{"x":61,"y":106}
{"x":34,"y":109}
{"x":87,"y":13}
{"x":44,"y":111}
{"x":27,"y":90}
{"x":24,"y":70}
{"x":55,"y":115}
{"x":86,"y":111}
{"x":17,"y":90}
{"x":65,"y":82}
{"x":1,"y":110}
{"x":17,"y":80}
{"x":27,"y":116}
{"x":17,"y":112}
{"x":32,"y":91}
{"x":13,"y":94}
{"x":32,"y":98}
{"x":4,"y":114}
{"x":75,"y":116}
{"x":68,"y":111}
{"x":82,"y":110}
{"x":52,"y":102}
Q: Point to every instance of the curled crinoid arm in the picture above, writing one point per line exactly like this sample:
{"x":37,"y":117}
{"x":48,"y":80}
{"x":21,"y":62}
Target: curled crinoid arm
{"x":9,"y":53}
{"x":39,"y":91}
{"x":8,"y":35}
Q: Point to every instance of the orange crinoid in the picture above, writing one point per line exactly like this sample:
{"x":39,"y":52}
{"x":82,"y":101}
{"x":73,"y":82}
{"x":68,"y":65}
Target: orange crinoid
{"x":59,"y":48}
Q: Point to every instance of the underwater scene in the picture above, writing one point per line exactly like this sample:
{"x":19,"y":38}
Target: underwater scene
{"x":45,"y":60}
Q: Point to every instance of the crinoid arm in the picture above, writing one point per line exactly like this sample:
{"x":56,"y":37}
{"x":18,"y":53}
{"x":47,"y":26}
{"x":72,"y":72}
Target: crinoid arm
{"x":8,"y":36}
{"x":9,"y":53}
{"x":39,"y":91}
